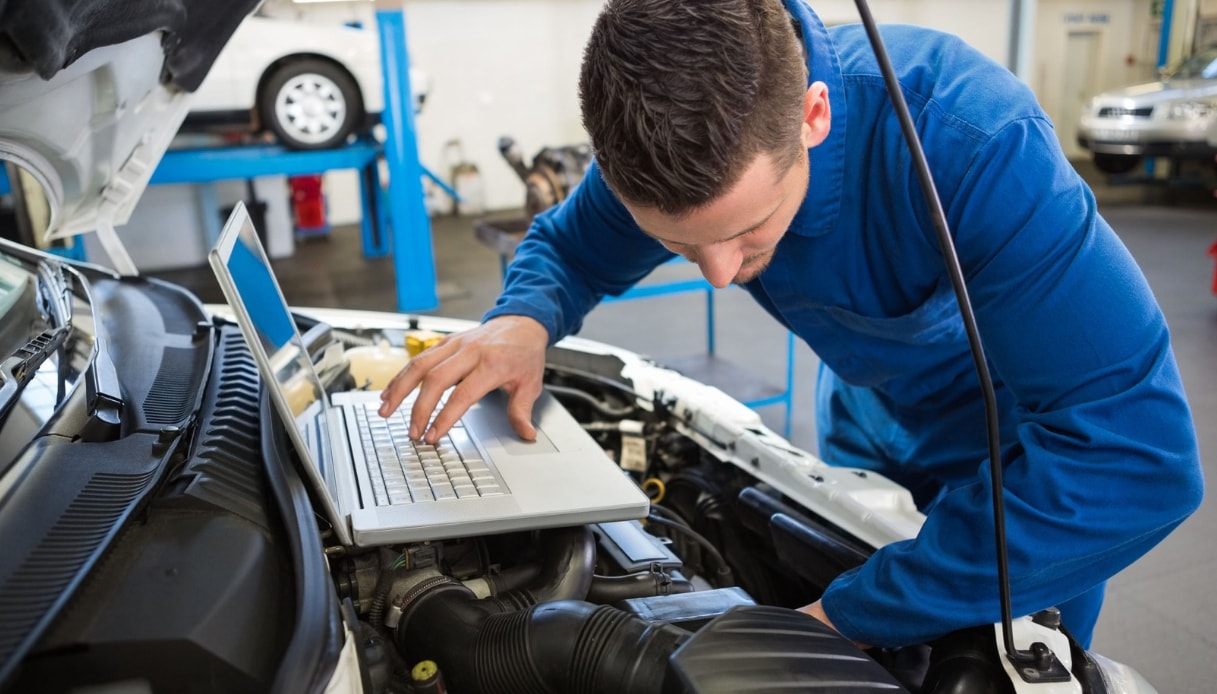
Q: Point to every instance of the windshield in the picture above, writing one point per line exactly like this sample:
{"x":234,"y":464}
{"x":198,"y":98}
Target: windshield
{"x":1202,"y":65}
{"x":46,"y":345}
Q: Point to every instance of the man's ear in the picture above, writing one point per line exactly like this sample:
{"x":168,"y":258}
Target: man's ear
{"x":817,"y":115}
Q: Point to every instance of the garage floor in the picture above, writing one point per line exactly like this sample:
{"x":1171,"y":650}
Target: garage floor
{"x":1160,"y":613}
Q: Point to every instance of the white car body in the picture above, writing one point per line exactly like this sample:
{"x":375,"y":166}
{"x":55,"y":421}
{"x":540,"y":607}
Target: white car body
{"x":261,"y":42}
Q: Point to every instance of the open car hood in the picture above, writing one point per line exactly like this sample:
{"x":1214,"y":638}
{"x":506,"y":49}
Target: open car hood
{"x":93,"y":91}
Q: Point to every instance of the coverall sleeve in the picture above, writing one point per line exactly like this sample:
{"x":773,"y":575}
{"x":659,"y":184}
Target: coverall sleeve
{"x":573,"y":255}
{"x":1105,"y":463}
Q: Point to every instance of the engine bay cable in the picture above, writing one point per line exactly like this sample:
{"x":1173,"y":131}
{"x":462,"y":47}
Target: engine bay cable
{"x":1021,"y":659}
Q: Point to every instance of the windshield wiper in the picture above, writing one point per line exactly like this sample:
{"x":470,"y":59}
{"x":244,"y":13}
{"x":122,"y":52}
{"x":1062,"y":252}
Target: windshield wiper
{"x":54,"y":297}
{"x":55,"y":302}
{"x":104,"y":396}
{"x":54,"y":294}
{"x":17,"y":370}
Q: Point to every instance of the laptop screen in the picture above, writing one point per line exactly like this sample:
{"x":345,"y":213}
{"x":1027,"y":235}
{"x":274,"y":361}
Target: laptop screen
{"x":254,"y":295}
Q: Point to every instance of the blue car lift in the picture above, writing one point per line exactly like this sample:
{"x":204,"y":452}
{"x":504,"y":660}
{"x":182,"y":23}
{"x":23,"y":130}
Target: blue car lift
{"x":398,"y":208}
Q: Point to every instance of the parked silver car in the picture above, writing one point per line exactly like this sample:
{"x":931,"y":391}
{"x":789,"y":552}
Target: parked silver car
{"x":1167,"y":118}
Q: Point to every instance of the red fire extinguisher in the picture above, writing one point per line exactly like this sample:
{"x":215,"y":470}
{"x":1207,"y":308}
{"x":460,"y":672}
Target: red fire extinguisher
{"x":308,"y":205}
{"x":1213,"y":255}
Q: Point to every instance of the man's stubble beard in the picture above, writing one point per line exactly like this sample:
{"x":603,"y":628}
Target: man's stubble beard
{"x":753,"y":267}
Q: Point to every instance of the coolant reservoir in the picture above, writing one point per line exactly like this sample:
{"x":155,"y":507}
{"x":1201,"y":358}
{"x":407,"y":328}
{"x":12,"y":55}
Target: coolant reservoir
{"x":373,"y":366}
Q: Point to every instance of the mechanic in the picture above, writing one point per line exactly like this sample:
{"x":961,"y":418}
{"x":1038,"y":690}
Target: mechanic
{"x":772,"y":159}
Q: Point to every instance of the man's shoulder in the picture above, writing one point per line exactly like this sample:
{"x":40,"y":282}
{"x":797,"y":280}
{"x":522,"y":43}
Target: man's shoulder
{"x":938,"y":68}
{"x":910,"y":47}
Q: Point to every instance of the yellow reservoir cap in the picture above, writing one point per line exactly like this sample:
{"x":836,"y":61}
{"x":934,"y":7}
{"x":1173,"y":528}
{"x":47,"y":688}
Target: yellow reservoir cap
{"x":418,"y":341}
{"x":424,"y":670}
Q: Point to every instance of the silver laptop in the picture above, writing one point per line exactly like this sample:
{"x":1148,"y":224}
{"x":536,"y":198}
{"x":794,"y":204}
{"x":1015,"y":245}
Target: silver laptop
{"x":377,"y":490}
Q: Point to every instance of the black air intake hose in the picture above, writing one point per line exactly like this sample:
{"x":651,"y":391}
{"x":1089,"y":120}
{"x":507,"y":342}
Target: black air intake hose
{"x":514,"y":578}
{"x":567,"y":646}
{"x":567,"y":561}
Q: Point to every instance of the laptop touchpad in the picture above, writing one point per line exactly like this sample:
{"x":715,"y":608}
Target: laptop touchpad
{"x":515,"y":445}
{"x":492,"y":423}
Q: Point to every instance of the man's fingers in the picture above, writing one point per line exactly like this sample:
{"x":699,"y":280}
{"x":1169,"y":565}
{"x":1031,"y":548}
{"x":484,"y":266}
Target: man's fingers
{"x":395,"y":392}
{"x":519,"y":409}
{"x":462,"y":397}
{"x":463,"y":370}
{"x":412,"y":375}
{"x":506,"y":351}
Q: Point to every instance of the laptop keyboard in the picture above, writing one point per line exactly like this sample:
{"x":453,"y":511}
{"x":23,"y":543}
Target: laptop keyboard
{"x":403,"y":471}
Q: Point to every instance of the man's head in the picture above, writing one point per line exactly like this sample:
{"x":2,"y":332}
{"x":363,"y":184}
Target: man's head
{"x":700,"y":117}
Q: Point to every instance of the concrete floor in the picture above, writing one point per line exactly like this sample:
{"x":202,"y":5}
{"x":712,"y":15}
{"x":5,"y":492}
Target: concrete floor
{"x":1161,"y":612}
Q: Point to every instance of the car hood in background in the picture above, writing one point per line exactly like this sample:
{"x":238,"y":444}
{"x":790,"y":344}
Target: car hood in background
{"x":46,"y":36}
{"x":92,"y":92}
{"x":1152,"y":93}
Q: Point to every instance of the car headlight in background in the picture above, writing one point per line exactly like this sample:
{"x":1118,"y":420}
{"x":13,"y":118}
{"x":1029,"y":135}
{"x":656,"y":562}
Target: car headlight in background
{"x":1192,"y":110}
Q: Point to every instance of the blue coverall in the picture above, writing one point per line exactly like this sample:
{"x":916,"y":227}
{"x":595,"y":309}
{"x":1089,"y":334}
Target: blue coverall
{"x":1098,"y":446}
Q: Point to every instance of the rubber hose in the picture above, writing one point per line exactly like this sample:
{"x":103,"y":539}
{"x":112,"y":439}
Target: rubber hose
{"x":567,"y":562}
{"x":565,"y":646}
{"x":609,"y":590}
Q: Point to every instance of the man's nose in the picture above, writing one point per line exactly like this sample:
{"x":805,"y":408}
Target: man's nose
{"x":719,"y":263}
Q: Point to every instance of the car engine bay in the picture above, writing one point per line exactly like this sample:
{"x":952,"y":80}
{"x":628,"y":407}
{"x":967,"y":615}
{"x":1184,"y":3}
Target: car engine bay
{"x":164,"y":539}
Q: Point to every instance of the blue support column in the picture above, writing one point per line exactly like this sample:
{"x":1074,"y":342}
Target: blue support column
{"x":413,"y":256}
{"x":1164,"y":40}
{"x":1164,"y":47}
{"x":375,"y":221}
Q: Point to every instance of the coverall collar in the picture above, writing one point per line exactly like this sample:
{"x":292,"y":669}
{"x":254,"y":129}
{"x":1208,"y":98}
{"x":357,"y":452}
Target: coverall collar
{"x":820,"y":209}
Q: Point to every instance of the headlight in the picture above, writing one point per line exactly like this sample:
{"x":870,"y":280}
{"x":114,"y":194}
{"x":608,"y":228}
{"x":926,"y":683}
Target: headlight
{"x":1191,"y":110}
{"x":1120,"y":678}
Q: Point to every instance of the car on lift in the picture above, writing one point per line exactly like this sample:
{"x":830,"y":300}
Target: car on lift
{"x":160,"y":533}
{"x":1170,"y":117}
{"x":311,"y":84}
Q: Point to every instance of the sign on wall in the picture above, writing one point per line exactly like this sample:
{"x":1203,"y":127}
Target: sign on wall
{"x":1087,"y":18}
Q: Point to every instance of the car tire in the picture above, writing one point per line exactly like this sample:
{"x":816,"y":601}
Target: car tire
{"x":310,"y":104}
{"x":1115,"y":164}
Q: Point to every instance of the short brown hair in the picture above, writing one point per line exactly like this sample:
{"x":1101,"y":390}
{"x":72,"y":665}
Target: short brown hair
{"x":679,"y":96}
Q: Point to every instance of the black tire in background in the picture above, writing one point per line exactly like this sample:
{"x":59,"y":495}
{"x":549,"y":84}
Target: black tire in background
{"x":310,"y":103}
{"x":1116,"y":163}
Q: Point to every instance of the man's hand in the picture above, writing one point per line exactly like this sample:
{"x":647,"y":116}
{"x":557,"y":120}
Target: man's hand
{"x":507,"y":352}
{"x":816,"y":610}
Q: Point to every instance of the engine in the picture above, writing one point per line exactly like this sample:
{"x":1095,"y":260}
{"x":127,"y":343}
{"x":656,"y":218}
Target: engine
{"x":695,"y":597}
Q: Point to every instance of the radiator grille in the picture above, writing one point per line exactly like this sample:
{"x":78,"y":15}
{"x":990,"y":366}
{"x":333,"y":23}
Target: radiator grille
{"x":1120,"y":112}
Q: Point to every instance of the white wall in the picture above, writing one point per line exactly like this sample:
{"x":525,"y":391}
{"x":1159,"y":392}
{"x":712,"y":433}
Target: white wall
{"x":982,"y":23}
{"x":510,"y":67}
{"x":1126,"y":53}
{"x":498,"y":67}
